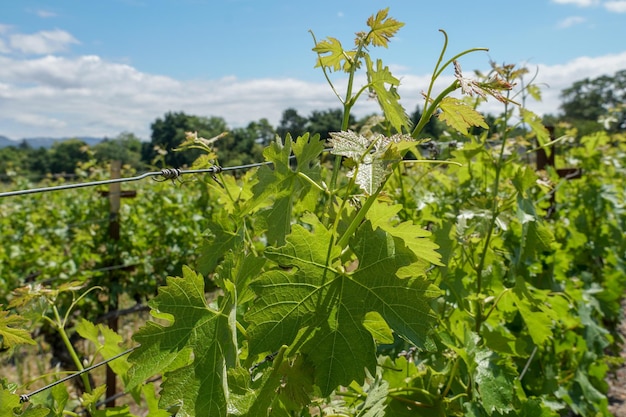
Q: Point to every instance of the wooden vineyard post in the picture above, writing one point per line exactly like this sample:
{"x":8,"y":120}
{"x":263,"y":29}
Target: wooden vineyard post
{"x":115,"y":195}
{"x":544,"y":160}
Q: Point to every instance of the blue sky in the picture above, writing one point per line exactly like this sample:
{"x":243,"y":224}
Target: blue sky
{"x":99,"y":68}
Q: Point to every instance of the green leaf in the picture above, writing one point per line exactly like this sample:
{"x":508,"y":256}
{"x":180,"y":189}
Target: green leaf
{"x":121,"y":411}
{"x":107,"y":342}
{"x":382,"y":28}
{"x":378,"y":327}
{"x":8,"y":402}
{"x":309,"y":299}
{"x":414,"y":237}
{"x":376,"y":397}
{"x":536,"y":125}
{"x":495,"y":383}
{"x":459,"y":115}
{"x":10,"y":336}
{"x":193,"y":352}
{"x":388,"y":99}
{"x":221,"y":240}
{"x":332,"y":55}
{"x":372,"y":156}
{"x":152,"y":401}
{"x":284,"y":185}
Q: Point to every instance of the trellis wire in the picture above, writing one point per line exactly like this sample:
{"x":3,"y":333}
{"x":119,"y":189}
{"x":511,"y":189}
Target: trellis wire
{"x":26,"y":397}
{"x":168,"y":173}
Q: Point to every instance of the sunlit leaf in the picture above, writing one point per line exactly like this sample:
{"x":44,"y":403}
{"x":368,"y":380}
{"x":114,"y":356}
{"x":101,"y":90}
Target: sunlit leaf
{"x":192,"y":352}
{"x":382,"y":27}
{"x":459,"y":115}
{"x":332,"y":55}
{"x":385,"y":88}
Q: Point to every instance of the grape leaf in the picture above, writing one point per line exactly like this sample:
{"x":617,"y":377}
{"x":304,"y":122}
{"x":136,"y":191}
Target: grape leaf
{"x":382,"y":28}
{"x":414,"y":237}
{"x":108,"y":345}
{"x":459,"y":115}
{"x":332,"y":55}
{"x":284,"y":185}
{"x":10,"y":336}
{"x":495,"y":382}
{"x":310,"y":298}
{"x":536,"y":125}
{"x":192,"y":352}
{"x":372,"y":156}
{"x":388,"y":99}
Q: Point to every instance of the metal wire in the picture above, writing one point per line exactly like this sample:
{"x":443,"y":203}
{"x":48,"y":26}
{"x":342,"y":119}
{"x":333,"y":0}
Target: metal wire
{"x":168,"y":173}
{"x":26,"y":397}
{"x":165,"y":173}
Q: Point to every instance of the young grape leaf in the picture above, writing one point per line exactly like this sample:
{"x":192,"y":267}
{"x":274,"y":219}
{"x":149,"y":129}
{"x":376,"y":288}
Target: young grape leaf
{"x":414,"y":237}
{"x":382,"y":28}
{"x":388,"y":99}
{"x":10,"y":336}
{"x":372,"y":156}
{"x":193,"y":352}
{"x":107,"y":342}
{"x":332,"y":55}
{"x":309,"y":297}
{"x":284,"y":185}
{"x":459,"y":115}
{"x":536,"y":125}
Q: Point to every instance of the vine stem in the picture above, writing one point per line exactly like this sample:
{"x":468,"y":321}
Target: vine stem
{"x":60,"y":325}
{"x":492,"y":222}
{"x":432,"y":107}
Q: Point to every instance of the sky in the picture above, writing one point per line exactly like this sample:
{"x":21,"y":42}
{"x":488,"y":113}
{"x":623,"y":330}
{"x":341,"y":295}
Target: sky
{"x":100,"y":68}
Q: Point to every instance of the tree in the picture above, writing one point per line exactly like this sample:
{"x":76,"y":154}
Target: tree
{"x":126,"y":147}
{"x":590,"y":100}
{"x":326,"y":121}
{"x":291,"y":122}
{"x":168,"y":133}
{"x":65,"y":156}
{"x":244,"y":145}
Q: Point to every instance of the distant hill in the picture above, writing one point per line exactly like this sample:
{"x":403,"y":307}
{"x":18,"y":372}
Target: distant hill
{"x":42,"y":142}
{"x":4,"y":141}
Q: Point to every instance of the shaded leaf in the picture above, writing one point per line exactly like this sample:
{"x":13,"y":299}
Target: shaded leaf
{"x":11,"y":336}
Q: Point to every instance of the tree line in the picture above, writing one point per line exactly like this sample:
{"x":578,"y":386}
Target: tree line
{"x":588,"y":105}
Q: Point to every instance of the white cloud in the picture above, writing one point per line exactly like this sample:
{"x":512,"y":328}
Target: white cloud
{"x":45,"y":14}
{"x":44,"y":42}
{"x":570,"y":21}
{"x":89,"y":96}
{"x":4,"y":49}
{"x":579,"y":3}
{"x":618,"y":6}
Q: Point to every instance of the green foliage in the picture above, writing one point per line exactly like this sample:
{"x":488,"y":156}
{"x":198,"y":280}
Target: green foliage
{"x":383,"y":287}
{"x":592,"y":100}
